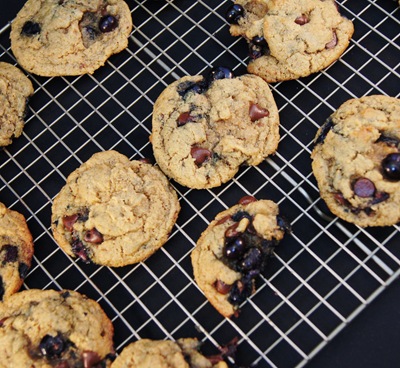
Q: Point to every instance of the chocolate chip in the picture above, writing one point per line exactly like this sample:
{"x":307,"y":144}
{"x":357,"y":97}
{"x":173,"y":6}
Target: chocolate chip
{"x":93,"y":236}
{"x":63,"y":364}
{"x":301,"y":20}
{"x":184,"y":118}
{"x":246,"y":200}
{"x":69,"y":221}
{"x":23,"y":270}
{"x":364,"y":188}
{"x":224,"y":219}
{"x":231,"y":231}
{"x":222,"y":288}
{"x":30,"y":28}
{"x":332,"y":43}
{"x":90,"y":359}
{"x":380,"y":197}
{"x":11,"y":253}
{"x":256,"y":112}
{"x":200,"y":155}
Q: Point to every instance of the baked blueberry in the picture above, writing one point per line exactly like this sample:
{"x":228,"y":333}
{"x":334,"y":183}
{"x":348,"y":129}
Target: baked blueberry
{"x":108,"y":23}
{"x":30,"y":28}
{"x":234,"y":13}
{"x":52,"y":346}
{"x":391,"y":166}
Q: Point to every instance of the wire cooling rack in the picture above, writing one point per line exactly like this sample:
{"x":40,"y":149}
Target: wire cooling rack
{"x":322,"y":275}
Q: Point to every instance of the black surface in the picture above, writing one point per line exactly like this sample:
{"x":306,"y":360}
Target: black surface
{"x":370,"y":340}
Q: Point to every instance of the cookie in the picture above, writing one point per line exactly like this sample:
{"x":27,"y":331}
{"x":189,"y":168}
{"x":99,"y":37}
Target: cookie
{"x":356,"y":161}
{"x":234,"y":249}
{"x":113,"y":211}
{"x":290,"y":39}
{"x":15,"y":90}
{"x":48,"y":328}
{"x":69,"y":37}
{"x":205,"y":128}
{"x":184,"y":353}
{"x":16,"y":251}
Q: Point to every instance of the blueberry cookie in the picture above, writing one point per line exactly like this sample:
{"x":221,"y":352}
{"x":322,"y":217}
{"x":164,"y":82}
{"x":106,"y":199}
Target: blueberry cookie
{"x":233,"y":251}
{"x":290,"y":39}
{"x":113,"y":211}
{"x":205,"y":128}
{"x":15,"y":90}
{"x":48,"y":328}
{"x":16,"y":251}
{"x":69,"y":37}
{"x":356,"y":161}
{"x":184,"y":353}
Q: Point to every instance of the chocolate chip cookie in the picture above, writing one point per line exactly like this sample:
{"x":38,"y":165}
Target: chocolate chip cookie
{"x":290,"y":39}
{"x":356,"y":161}
{"x":15,"y":90}
{"x":145,"y":353}
{"x":206,"y":127}
{"x":69,"y":37}
{"x":16,"y":251}
{"x":113,"y":211}
{"x":234,"y":249}
{"x":48,"y":328}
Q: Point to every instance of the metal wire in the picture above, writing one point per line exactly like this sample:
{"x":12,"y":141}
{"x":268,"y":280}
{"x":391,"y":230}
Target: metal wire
{"x":321,"y":277}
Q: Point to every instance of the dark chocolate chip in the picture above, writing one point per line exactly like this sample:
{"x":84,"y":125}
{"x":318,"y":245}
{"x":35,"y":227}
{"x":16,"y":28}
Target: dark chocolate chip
{"x":332,"y":43}
{"x":257,"y":112}
{"x":23,"y":270}
{"x":222,"y":288}
{"x":90,"y":359}
{"x":185,"y":118}
{"x":301,"y":20}
{"x":11,"y":253}
{"x":380,"y":197}
{"x":30,"y":28}
{"x":93,"y":236}
{"x":69,"y":221}
{"x":364,"y":188}
{"x":390,"y":141}
{"x":246,"y":200}
{"x":231,"y":231}
{"x":200,"y":155}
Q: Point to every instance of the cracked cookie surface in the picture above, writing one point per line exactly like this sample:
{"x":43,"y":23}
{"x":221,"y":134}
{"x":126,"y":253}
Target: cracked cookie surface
{"x":356,"y":161}
{"x":204,"y":130}
{"x":15,"y":90}
{"x":289,"y":39}
{"x":182,"y":353}
{"x":234,"y":249}
{"x":48,"y":328}
{"x":113,"y":211}
{"x":16,"y":251}
{"x":69,"y":37}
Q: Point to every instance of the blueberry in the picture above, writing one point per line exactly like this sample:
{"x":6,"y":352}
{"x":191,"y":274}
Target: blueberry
{"x":51,"y":346}
{"x":252,"y":260}
{"x":240,"y":215}
{"x":30,"y":28}
{"x":2,"y":291}
{"x":234,"y":13}
{"x":80,"y":251}
{"x":235,"y":248}
{"x":195,"y":87}
{"x":391,"y":166}
{"x":241,"y":290}
{"x":108,"y":23}
{"x":323,"y":132}
{"x":220,"y":72}
{"x":23,"y":269}
{"x":259,"y":41}
{"x":11,"y":253}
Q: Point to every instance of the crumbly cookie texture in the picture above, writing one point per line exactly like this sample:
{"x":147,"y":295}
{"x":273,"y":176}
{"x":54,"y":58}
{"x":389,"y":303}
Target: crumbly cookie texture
{"x":15,"y":90}
{"x":48,"y":328}
{"x":289,"y":39}
{"x":69,"y":37}
{"x":113,"y":211}
{"x":232,"y":252}
{"x":356,"y":161}
{"x":204,"y":130}
{"x":16,"y":251}
{"x":184,"y":353}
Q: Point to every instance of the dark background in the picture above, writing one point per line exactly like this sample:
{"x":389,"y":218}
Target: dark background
{"x":372,"y":339}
